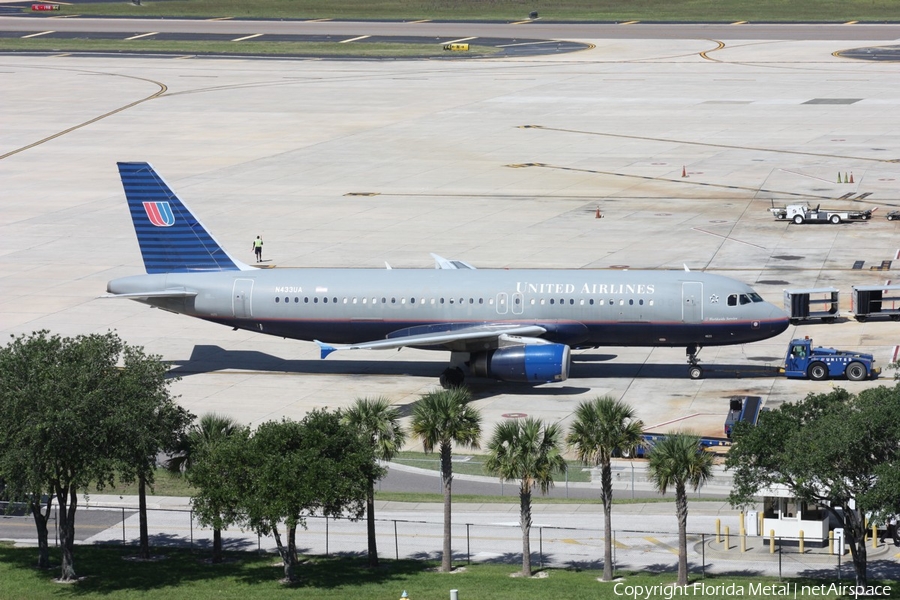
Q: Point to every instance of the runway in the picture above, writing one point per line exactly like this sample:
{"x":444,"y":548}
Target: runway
{"x":681,"y":137}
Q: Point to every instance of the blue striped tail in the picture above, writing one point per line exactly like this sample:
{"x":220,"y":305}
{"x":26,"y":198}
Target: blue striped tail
{"x":172,"y":240}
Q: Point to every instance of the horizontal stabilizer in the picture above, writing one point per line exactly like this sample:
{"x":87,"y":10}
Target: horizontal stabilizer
{"x":162,"y":294}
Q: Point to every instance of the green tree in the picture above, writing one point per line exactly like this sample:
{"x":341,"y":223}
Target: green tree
{"x":195,"y":448}
{"x":528,"y":450}
{"x":604,"y":427}
{"x":149,"y":423}
{"x":379,"y":424}
{"x":290,"y":470}
{"x":677,"y":460}
{"x":25,"y":479}
{"x":836,"y":450}
{"x":441,"y":419}
{"x":61,"y":409}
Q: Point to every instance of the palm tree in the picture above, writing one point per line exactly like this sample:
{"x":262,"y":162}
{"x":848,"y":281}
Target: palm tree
{"x":531,"y":452}
{"x":210,"y":430}
{"x":604,"y":427}
{"x":379,"y":423}
{"x":443,"y":418}
{"x":678,"y":460}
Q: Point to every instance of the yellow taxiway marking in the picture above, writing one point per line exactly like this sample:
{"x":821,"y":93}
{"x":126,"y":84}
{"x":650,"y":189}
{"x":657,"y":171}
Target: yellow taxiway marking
{"x":142,"y":35}
{"x":31,"y":35}
{"x":524,"y":22}
{"x":661,"y":544}
{"x":739,"y":23}
{"x":629,"y":22}
{"x":220,"y":19}
{"x":356,"y":39}
{"x":420,"y":21}
{"x":851,"y":22}
{"x":247,"y":37}
{"x":317,"y":20}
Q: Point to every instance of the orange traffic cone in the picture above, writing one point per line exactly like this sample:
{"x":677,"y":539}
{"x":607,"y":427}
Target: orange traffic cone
{"x":851,"y":176}
{"x":683,"y":172}
{"x":598,"y":215}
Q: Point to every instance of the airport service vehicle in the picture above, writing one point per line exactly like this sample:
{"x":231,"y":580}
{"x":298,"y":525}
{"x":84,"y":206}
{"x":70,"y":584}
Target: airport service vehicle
{"x":894,"y":215}
{"x":803,"y":213}
{"x":507,"y":324}
{"x":742,"y":408}
{"x":818,"y":363}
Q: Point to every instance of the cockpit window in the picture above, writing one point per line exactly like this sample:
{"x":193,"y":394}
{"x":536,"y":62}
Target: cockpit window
{"x":735,"y":299}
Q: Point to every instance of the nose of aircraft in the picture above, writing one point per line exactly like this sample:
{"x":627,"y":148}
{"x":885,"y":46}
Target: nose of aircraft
{"x":778,"y":319}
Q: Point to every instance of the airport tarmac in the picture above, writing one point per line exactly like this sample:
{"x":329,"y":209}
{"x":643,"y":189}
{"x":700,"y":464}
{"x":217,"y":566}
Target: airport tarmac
{"x":681,"y":144}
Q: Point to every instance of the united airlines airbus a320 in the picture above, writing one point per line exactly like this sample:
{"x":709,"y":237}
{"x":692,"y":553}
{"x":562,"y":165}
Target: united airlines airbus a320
{"x":511,"y":325}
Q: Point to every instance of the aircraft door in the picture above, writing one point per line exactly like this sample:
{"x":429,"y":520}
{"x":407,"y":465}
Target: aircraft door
{"x":242,"y":298}
{"x":518,"y":303}
{"x":502,"y":303}
{"x":692,"y":302}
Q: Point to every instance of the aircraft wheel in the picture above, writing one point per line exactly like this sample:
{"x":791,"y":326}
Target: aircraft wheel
{"x":452,"y":378}
{"x":817,"y":371}
{"x":835,"y":219}
{"x":798,"y":219}
{"x":856,"y":371}
{"x":695,"y":372}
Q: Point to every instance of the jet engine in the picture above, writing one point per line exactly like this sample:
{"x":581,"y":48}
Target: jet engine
{"x":532,"y":363}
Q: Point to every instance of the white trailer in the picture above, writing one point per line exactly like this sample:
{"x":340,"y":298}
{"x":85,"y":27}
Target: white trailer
{"x":803,"y":213}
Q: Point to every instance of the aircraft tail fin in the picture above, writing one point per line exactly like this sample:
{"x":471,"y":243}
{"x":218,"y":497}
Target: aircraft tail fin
{"x":171,"y":238}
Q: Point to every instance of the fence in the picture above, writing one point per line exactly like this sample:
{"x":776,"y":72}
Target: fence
{"x":488,"y":539}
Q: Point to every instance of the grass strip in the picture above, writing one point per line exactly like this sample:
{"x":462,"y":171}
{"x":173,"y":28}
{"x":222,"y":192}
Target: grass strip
{"x":710,"y":11}
{"x":199,"y":47}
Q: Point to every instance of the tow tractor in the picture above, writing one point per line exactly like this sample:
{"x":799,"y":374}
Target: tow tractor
{"x":818,"y":363}
{"x":804,"y":213}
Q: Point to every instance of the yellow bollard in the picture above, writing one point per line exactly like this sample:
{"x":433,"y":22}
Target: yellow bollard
{"x":831,"y":542}
{"x":801,"y":541}
{"x":874,"y":535}
{"x":743,"y":541}
{"x":718,"y":531}
{"x":727,"y":532}
{"x":762,"y":522}
{"x":771,"y":541}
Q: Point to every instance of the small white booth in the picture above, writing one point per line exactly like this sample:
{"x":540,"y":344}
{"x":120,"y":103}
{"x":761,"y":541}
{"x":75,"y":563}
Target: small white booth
{"x":787,"y":517}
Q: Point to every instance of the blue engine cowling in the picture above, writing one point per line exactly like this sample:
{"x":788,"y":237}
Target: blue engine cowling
{"x":533,"y":363}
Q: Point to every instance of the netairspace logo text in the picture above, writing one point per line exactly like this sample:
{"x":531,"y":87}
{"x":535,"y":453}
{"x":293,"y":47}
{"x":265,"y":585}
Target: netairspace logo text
{"x":749,"y":590}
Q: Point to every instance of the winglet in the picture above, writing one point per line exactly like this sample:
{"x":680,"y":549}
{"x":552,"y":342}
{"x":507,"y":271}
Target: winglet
{"x":324,"y":349}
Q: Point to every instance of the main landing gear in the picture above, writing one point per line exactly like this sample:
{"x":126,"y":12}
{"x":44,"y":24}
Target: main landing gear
{"x":694,"y":369}
{"x":452,"y":377}
{"x":455,"y":374}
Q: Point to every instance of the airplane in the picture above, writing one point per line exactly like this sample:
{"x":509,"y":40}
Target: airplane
{"x":507,"y":324}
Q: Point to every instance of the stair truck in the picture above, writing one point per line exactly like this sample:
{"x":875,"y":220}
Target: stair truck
{"x":804,"y":360}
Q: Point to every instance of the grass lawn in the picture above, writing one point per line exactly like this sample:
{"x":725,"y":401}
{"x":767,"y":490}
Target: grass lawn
{"x":509,"y":10}
{"x":474,"y":465}
{"x":110,"y":572}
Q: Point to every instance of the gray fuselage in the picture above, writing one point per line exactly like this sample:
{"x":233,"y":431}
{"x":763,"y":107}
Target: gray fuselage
{"x":581,"y":308}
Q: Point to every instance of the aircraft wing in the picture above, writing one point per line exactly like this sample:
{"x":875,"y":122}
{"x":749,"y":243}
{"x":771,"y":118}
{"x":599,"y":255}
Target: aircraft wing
{"x":488,"y":332}
{"x":443,"y":263}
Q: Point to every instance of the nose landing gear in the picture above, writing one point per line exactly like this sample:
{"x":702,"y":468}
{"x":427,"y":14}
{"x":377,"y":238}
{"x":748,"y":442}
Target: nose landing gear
{"x":695,"y":371}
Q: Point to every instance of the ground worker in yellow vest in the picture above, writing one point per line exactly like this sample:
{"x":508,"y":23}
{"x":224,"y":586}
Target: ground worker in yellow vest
{"x":257,"y":247}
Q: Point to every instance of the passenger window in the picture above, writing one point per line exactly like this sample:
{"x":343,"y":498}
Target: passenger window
{"x":277,"y":299}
